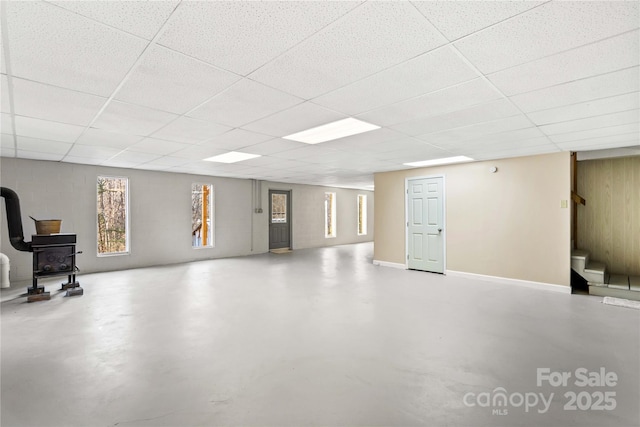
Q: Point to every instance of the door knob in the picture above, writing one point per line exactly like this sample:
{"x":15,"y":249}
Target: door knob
{"x":439,"y":230}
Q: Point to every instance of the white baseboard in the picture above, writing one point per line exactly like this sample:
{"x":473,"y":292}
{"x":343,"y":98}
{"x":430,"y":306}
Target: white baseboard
{"x":507,"y":281}
{"x":389,"y":264}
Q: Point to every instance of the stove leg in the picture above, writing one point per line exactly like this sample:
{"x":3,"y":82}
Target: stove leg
{"x":72,"y":287}
{"x":35,"y":289}
{"x":37,"y":293}
{"x":71,"y":283}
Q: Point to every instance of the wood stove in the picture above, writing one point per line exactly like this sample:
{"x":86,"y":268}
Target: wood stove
{"x":54,"y":255}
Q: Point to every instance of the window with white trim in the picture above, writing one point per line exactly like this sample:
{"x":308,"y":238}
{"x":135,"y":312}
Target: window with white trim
{"x":330,"y":215}
{"x":362,"y":214}
{"x":202,"y":208}
{"x":113,"y":215}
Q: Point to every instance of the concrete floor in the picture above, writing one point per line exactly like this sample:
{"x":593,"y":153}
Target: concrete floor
{"x":313,"y":337}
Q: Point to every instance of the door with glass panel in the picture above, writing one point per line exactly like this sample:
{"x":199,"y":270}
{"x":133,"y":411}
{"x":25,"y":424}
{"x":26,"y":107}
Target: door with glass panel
{"x":279,"y":219}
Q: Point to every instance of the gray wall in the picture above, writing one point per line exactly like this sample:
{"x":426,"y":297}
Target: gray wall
{"x":160,"y":214}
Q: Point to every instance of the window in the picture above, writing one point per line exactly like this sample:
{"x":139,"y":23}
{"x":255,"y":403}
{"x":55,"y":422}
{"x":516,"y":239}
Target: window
{"x":113,"y":215}
{"x":330,"y":214}
{"x":202,"y":215}
{"x":362,"y":214}
{"x":278,"y":208}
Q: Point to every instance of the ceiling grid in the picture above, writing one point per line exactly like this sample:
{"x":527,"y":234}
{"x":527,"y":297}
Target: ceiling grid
{"x":164,"y":85}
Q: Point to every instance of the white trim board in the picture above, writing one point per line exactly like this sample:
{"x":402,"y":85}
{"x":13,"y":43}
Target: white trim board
{"x":389,"y":264}
{"x":507,"y":281}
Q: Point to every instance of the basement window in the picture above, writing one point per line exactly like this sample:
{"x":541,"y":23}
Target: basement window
{"x":113,"y":215}
{"x":330,"y":215}
{"x":362,"y":214}
{"x":202,"y":224}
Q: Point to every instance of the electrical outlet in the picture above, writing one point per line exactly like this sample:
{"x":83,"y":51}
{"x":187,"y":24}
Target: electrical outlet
{"x":564,"y":204}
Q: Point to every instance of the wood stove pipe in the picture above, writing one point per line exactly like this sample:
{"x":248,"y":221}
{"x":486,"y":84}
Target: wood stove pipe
{"x":14,"y":220}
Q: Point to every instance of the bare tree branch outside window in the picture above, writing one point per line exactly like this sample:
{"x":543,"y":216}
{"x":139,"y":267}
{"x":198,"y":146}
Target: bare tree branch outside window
{"x":112,"y":215}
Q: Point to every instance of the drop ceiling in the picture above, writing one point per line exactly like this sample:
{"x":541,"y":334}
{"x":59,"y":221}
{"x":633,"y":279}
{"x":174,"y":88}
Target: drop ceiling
{"x":163,"y":85}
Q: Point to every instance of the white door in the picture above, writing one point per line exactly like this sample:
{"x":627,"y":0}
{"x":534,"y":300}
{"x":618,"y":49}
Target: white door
{"x":425,"y":224}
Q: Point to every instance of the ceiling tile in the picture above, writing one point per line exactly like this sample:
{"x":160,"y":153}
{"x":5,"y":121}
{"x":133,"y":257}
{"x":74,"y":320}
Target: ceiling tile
{"x":96,"y":152}
{"x":468,"y":116}
{"x":590,"y":123}
{"x":551,"y":28}
{"x":613,"y":54}
{"x":37,"y":155}
{"x":631,"y":128}
{"x":4,"y":93}
{"x":276,"y":145}
{"x":93,"y":136}
{"x":459,"y":18}
{"x":612,"y":141}
{"x":198,"y":152}
{"x":263,"y":161}
{"x":190,"y":131}
{"x":237,"y":138}
{"x":242,"y":36}
{"x":157,"y":146}
{"x":81,"y":160}
{"x":611,"y":84}
{"x":598,"y":107}
{"x":74,"y":53}
{"x":133,"y":157}
{"x":478,"y":130}
{"x":42,"y":145}
{"x":372,"y":37}
{"x":288,"y":164}
{"x":142,"y":18}
{"x":524,"y":139}
{"x":119,"y":163}
{"x":310,"y":153}
{"x":443,"y":101}
{"x":295,"y":119}
{"x":3,"y":66}
{"x":170,"y":81}
{"x":43,"y":129}
{"x":168,"y":161}
{"x":425,"y":152}
{"x":361,"y":142}
{"x":46,"y":102}
{"x":132,"y":119}
{"x":516,"y":152}
{"x":244,"y":102}
{"x":383,"y":149}
{"x":508,"y":137}
{"x":6,"y":126}
{"x":426,"y":73}
{"x":7,"y":142}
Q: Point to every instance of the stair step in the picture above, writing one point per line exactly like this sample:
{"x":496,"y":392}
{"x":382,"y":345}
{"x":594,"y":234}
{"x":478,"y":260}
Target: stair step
{"x":604,"y":291}
{"x":595,"y":267}
{"x":634,"y":283}
{"x":579,"y":253}
{"x":604,"y":285}
{"x":619,"y":281}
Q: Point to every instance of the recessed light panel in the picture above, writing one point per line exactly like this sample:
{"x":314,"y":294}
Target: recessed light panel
{"x":232,"y":157}
{"x":331,"y":131}
{"x":443,"y":161}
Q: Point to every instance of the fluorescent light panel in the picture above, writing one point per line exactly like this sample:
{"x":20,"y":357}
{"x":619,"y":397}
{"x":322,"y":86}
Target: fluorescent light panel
{"x":232,"y":157}
{"x":443,"y":161}
{"x":331,"y":131}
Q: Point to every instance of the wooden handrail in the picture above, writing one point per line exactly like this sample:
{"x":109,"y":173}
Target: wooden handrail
{"x":578,"y":199}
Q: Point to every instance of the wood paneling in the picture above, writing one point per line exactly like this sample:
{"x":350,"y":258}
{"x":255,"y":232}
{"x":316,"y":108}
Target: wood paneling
{"x":609,"y":224}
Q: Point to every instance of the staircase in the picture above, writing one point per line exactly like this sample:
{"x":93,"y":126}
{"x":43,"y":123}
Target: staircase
{"x":600,"y":282}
